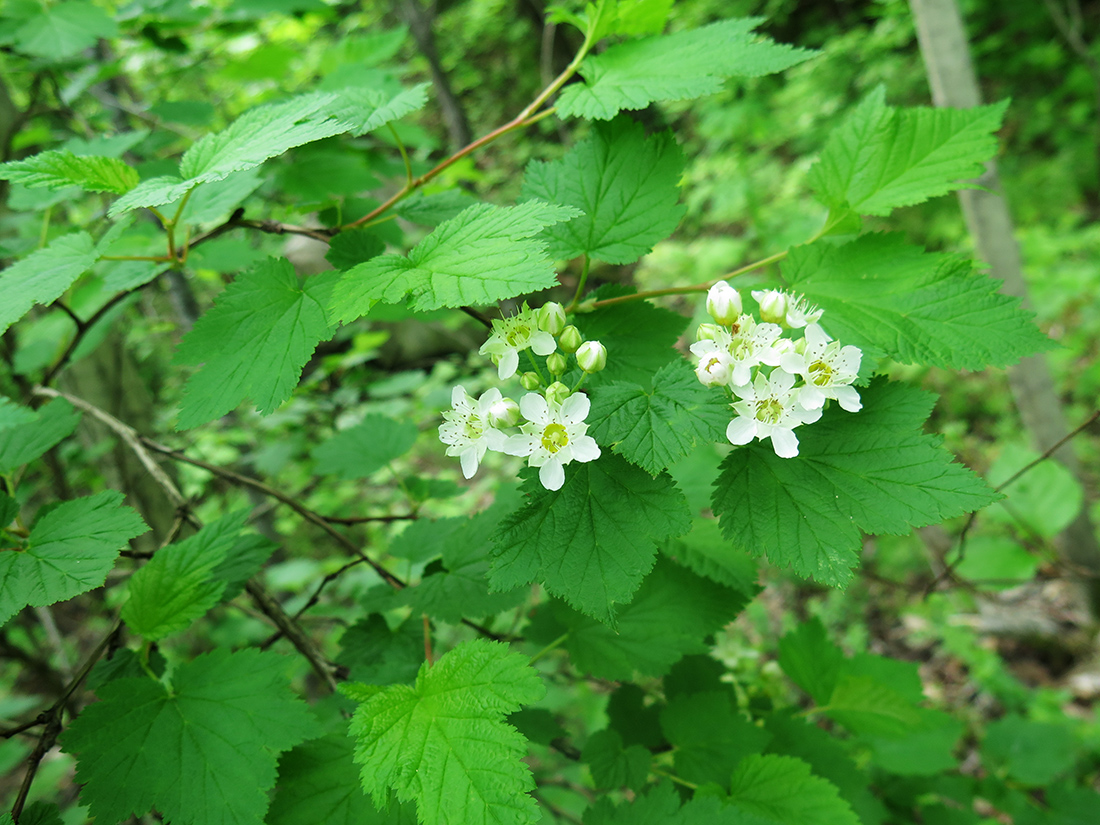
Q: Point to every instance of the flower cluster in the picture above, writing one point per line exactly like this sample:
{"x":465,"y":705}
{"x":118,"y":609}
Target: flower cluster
{"x":777,"y":383}
{"x":550,"y":418}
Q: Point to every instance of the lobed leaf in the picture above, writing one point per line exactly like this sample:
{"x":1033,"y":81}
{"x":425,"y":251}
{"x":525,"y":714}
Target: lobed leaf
{"x":783,"y":791}
{"x":366,"y":448}
{"x":23,"y":441}
{"x":44,"y":275}
{"x":59,"y":169}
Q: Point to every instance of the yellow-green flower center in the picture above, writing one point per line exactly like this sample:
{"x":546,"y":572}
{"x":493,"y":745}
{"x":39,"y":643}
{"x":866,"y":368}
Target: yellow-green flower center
{"x":473,"y":428}
{"x":821,"y":373}
{"x":518,"y":334}
{"x":768,"y":410}
{"x":554,"y":437}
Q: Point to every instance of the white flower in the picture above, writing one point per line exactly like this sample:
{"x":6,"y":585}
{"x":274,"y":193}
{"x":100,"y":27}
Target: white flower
{"x":724,"y":303}
{"x":467,"y":428}
{"x":510,"y":336}
{"x":786,"y":308}
{"x":553,"y":436}
{"x":592,"y":356}
{"x":715,"y":367}
{"x":828,"y":370}
{"x":745,"y":345}
{"x":770,"y":408}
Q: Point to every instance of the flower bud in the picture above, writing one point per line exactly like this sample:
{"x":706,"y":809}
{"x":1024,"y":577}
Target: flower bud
{"x":551,"y":317}
{"x":557,"y":392}
{"x":570,"y":339}
{"x":530,"y":381}
{"x":714,"y":369}
{"x":592,"y":356}
{"x":724,"y":303}
{"x":707,"y":332}
{"x":556,"y":363}
{"x":504,"y":413}
{"x":773,"y":305}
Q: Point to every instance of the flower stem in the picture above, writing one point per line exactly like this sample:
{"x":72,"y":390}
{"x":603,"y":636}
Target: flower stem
{"x":549,"y":647}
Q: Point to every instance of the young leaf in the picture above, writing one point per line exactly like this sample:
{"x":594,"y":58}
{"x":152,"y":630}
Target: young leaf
{"x":444,"y":742}
{"x":782,"y":790}
{"x":202,"y":753}
{"x":672,"y":614}
{"x":178,"y":584}
{"x":1034,"y":753}
{"x":366,"y":448}
{"x":254,"y":342}
{"x":881,"y":158}
{"x":44,"y":275}
{"x":364,"y":109}
{"x":70,"y":551}
{"x":58,"y":169}
{"x":811,"y":660}
{"x":591,"y":542}
{"x":708,"y":737}
{"x":639,"y":337}
{"x":873,"y":471}
{"x":679,"y":66}
{"x":625,"y":185}
{"x":917,"y":307}
{"x":655,"y":428}
{"x":483,"y":255}
{"x":24,"y":442}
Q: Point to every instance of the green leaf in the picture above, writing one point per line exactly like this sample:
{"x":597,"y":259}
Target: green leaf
{"x":591,"y":542}
{"x":203,"y":752}
{"x":925,"y":749}
{"x":881,"y":158}
{"x":242,"y":562}
{"x":254,"y":342}
{"x":366,"y":448}
{"x":625,"y":185}
{"x":867,"y":706}
{"x":44,"y":275}
{"x":917,"y":307}
{"x":364,"y":109}
{"x":1034,"y":753}
{"x":434,"y":208}
{"x":637,"y":17}
{"x":704,"y":551}
{"x":656,"y":428}
{"x":178,"y":585}
{"x":672,"y":614}
{"x":14,"y":415}
{"x":661,"y":806}
{"x":57,"y":169}
{"x":681,"y":66}
{"x":40,"y":813}
{"x":354,"y":247}
{"x":614,"y":766}
{"x":70,"y":551}
{"x":444,"y":742}
{"x":462,"y":588}
{"x":811,"y":660}
{"x":639,"y":337}
{"x":318,"y":783}
{"x":709,"y":738}
{"x":782,"y":790}
{"x":380,"y":656}
{"x":873,"y":471}
{"x":261,"y":133}
{"x":1044,"y":500}
{"x":23,"y":443}
{"x":485,"y":254}
{"x":64,"y":30}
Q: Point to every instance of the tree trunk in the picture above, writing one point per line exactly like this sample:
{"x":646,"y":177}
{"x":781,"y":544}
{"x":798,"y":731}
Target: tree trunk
{"x":946,"y":52}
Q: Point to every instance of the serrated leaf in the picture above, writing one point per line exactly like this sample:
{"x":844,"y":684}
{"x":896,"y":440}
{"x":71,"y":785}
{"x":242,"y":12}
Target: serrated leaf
{"x":366,"y":448}
{"x":867,"y":706}
{"x":364,"y":109}
{"x":708,"y":737}
{"x":318,"y":783}
{"x":57,"y":170}
{"x":178,"y":584}
{"x":917,"y":307}
{"x":661,"y":806}
{"x":679,"y":66}
{"x":925,"y":749}
{"x":655,"y":428}
{"x":434,"y":208}
{"x":782,"y":790}
{"x":591,"y":542}
{"x":70,"y":551}
{"x":639,"y":337}
{"x":881,"y":158}
{"x":247,"y":555}
{"x":380,"y":656}
{"x":44,"y":275}
{"x":444,"y":742}
{"x":625,"y":185}
{"x":23,"y":443}
{"x":64,"y":30}
{"x":873,"y":471}
{"x":254,"y":342}
{"x":203,"y":752}
{"x":485,"y":254}
{"x":1034,"y":753}
{"x":614,"y":766}
{"x":704,"y":551}
{"x":13,"y":415}
{"x":354,"y":247}
{"x":672,"y":614}
{"x":811,"y":660}
{"x":156,"y":191}
{"x":637,"y":17}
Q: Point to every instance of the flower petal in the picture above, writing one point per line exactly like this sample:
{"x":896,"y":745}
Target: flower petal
{"x":534,"y":408}
{"x":520,"y":444}
{"x":848,"y":398}
{"x":785,"y":442}
{"x":509,"y":362}
{"x":741,"y":430}
{"x":470,"y":460}
{"x":543,"y":343}
{"x":552,"y":475}
{"x":585,"y":449}
{"x":575,"y":408}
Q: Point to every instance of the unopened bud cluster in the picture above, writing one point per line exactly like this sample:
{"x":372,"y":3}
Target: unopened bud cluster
{"x":550,"y":418}
{"x":778,"y":383}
